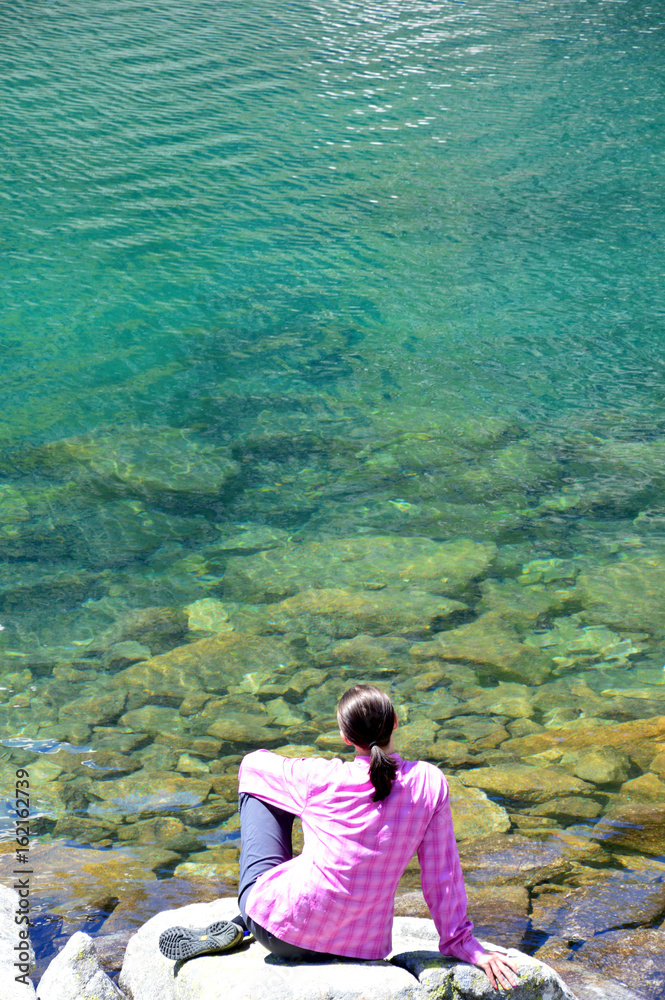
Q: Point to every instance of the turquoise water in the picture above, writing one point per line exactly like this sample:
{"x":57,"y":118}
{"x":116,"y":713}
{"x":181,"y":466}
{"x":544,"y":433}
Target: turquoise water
{"x":471,"y":194}
{"x":327,"y":271}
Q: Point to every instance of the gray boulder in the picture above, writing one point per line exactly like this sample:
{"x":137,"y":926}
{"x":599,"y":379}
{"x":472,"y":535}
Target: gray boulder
{"x":249,"y":972}
{"x":415,"y":944}
{"x":14,"y":988}
{"x":416,"y":971}
{"x":75,"y":974}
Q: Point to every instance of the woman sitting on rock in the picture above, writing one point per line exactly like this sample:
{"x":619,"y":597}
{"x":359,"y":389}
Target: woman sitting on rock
{"x":363,"y":821}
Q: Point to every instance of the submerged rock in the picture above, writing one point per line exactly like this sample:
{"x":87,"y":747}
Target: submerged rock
{"x":512,"y":700}
{"x":493,"y":645}
{"x":625,"y":594}
{"x":208,"y":665}
{"x":568,"y":808}
{"x":160,"y":465}
{"x":474,"y":815}
{"x":153,"y":719}
{"x":638,"y":826}
{"x":254,"y":538}
{"x":415,"y":740}
{"x":634,"y":957}
{"x":345,"y":613}
{"x":573,"y":645}
{"x":499,"y":913}
{"x":166,"y":831}
{"x":83,"y":829}
{"x":415,"y":424}
{"x":363,"y":562}
{"x":97,"y":710}
{"x":123,"y":654}
{"x":590,"y":985}
{"x":45,"y":586}
{"x":658,"y":765}
{"x":641,"y":740}
{"x":149,"y":791}
{"x":524,"y":783}
{"x":32,"y":521}
{"x":517,"y":860}
{"x":118,"y":532}
{"x":441,"y":519}
{"x":602,"y":767}
{"x":436,"y":705}
{"x":645,"y":788}
{"x":373,"y":654}
{"x":75,"y":883}
{"x":158,"y":628}
{"x":208,"y":615}
{"x":248,"y":731}
{"x":521,"y":605}
{"x":617,"y":899}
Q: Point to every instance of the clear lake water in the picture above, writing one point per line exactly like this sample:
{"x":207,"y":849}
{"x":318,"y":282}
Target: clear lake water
{"x":279,"y":275}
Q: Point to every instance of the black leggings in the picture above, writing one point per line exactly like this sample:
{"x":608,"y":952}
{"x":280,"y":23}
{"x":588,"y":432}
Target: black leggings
{"x":265,"y":841}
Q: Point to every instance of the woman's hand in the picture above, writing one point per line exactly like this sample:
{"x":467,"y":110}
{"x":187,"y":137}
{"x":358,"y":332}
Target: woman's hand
{"x":499,"y":969}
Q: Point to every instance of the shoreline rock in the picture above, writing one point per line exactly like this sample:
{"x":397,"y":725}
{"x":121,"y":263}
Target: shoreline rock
{"x":414,"y":971}
{"x":9,"y":938}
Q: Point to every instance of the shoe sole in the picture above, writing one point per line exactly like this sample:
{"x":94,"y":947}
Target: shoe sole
{"x":179,"y":943}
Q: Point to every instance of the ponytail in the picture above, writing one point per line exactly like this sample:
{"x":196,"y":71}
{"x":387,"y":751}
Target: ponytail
{"x":367,"y":718}
{"x":382,"y":772}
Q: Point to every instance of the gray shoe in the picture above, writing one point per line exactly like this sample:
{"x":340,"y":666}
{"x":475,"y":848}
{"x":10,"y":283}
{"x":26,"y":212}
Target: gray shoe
{"x":179,"y":943}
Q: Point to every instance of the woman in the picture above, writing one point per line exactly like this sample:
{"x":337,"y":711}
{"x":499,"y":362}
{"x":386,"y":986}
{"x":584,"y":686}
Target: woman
{"x":363,"y":821}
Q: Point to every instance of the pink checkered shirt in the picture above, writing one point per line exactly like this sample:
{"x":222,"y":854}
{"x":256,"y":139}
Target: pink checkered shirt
{"x":338,"y":896}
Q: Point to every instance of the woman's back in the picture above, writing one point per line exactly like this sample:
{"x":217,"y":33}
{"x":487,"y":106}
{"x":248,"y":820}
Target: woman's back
{"x":346,"y":831}
{"x":338,"y":896}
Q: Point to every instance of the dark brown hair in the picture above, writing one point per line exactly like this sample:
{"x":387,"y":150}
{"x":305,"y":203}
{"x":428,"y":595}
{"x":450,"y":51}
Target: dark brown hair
{"x":366,"y":715}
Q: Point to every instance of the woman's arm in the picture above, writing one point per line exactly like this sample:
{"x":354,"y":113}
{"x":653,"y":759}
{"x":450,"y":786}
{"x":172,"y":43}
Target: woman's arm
{"x":443,"y":887}
{"x":445,"y":895}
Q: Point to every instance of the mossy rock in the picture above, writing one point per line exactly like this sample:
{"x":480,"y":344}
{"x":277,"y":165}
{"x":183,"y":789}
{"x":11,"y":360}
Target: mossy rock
{"x":625,"y":594}
{"x":633,"y":956}
{"x":158,"y":628}
{"x":207,"y":665}
{"x":159,"y":465}
{"x":524,"y":783}
{"x":474,"y":815}
{"x":513,"y":859}
{"x":491,"y":644}
{"x":641,"y":740}
{"x":375,"y":654}
{"x":149,"y":792}
{"x":44,"y":585}
{"x":343,"y":613}
{"x":364,"y":562}
{"x":447,"y":979}
{"x":523,"y":606}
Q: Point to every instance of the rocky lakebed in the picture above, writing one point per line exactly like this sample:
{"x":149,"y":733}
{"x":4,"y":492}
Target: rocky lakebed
{"x":170,"y":604}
